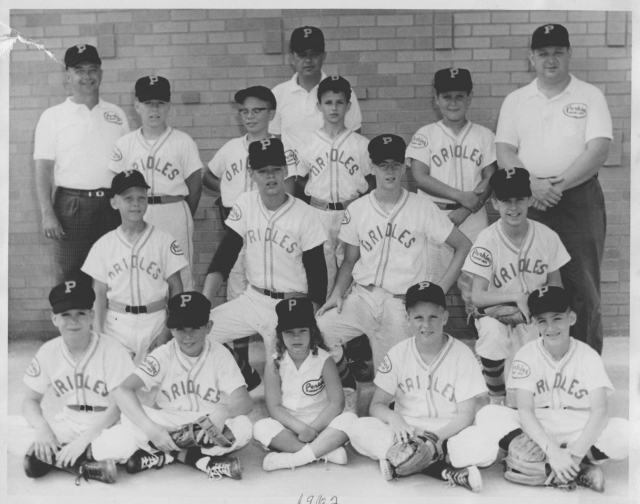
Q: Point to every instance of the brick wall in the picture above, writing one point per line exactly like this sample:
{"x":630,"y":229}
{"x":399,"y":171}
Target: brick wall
{"x":389,"y":56}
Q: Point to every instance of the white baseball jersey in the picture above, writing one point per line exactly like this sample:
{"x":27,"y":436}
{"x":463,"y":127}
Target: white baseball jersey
{"x":510,"y":268}
{"x":392,"y":245}
{"x":191,"y":383}
{"x":336,"y":166}
{"x":230,"y":165}
{"x":563,"y":384}
{"x":276,"y":240}
{"x":456,"y":160}
{"x":135,"y":273}
{"x":86,"y":382}
{"x":165,"y":162}
{"x":430,"y":391}
{"x":303,"y":390}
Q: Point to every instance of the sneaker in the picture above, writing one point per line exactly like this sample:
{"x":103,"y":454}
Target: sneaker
{"x":253,"y":381}
{"x":350,"y":401}
{"x":143,"y":460}
{"x":100,"y":470}
{"x":498,"y":400}
{"x":468,"y":477}
{"x":274,"y":461}
{"x":337,"y":456}
{"x":33,"y":466}
{"x":360,"y":370}
{"x":386,"y":469}
{"x":217,"y":467}
{"x":590,"y":476}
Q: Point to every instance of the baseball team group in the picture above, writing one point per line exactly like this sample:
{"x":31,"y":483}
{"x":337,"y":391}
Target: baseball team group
{"x":322,"y":245}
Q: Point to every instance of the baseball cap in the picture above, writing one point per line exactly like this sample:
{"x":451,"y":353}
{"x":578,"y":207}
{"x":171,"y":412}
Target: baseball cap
{"x":81,"y":53}
{"x":188,"y":309}
{"x":153,"y":87}
{"x":550,"y":35}
{"x":267,"y":152}
{"x":73,"y":294}
{"x":126,"y":179}
{"x":294,"y":313}
{"x":385,"y":147}
{"x":427,"y":292}
{"x":548,"y":299}
{"x":336,"y":84}
{"x":511,"y":183}
{"x":307,"y":37}
{"x":261,"y":92}
{"x":452,"y":79}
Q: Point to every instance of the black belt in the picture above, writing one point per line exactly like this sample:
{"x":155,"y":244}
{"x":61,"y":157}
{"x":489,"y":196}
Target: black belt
{"x":279,"y":295}
{"x":85,"y":407}
{"x":335,"y":206}
{"x":449,"y":206}
{"x":93,"y":193}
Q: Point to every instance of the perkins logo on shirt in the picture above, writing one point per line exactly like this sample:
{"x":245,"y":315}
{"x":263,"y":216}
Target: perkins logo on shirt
{"x":112,"y":117}
{"x":313,"y":387}
{"x":236,"y":214}
{"x":34,"y":368}
{"x":520,"y":369}
{"x":150,"y":366}
{"x":116,"y":154}
{"x":175,"y":248}
{"x":576,"y":110}
{"x":419,"y":141}
{"x":385,"y":365}
{"x":291,"y":157}
{"x":346,"y":217}
{"x":482,"y":257}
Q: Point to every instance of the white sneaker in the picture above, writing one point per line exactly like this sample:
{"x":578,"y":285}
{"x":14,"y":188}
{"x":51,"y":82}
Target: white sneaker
{"x":467,"y":477}
{"x":350,"y":400}
{"x":386,"y":469}
{"x":274,"y":461}
{"x":337,"y":456}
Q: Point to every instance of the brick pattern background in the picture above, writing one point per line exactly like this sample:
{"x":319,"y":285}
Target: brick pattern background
{"x":388,"y":56}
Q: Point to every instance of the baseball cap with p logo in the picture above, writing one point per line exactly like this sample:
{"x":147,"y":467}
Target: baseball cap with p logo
{"x":294,"y":313}
{"x":548,"y":299}
{"x":385,"y":147}
{"x":188,"y":309}
{"x":452,"y":79}
{"x":73,"y":294}
{"x":335,"y":83}
{"x":305,"y":38}
{"x":427,"y":292}
{"x":126,"y":179}
{"x":153,"y":87}
{"x":266,"y":152}
{"x":81,"y":53}
{"x":550,"y":35}
{"x":511,"y":183}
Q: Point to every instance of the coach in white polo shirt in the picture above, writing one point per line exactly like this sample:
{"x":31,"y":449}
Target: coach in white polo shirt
{"x":297,"y":115}
{"x":559,"y":128}
{"x":73,"y":143}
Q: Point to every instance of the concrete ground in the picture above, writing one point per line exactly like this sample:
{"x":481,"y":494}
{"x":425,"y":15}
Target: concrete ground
{"x":358,"y":481}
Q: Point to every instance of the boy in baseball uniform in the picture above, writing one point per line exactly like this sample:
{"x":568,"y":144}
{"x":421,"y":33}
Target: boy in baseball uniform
{"x":434,"y":380}
{"x":510,"y":259}
{"x":284,"y":251}
{"x":561,"y":390}
{"x":82,"y":367}
{"x":451,"y":162}
{"x":195,"y":378}
{"x":385,"y":234}
{"x":170,"y":163}
{"x":134,"y":269}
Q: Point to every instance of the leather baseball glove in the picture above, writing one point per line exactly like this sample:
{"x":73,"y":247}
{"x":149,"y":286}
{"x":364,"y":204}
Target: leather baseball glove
{"x":414,"y":455}
{"x":202,"y":433}
{"x":508,"y":314}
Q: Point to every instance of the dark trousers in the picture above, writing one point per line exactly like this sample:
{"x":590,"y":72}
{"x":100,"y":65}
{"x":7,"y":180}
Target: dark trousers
{"x":580,"y":220}
{"x":83,"y":219}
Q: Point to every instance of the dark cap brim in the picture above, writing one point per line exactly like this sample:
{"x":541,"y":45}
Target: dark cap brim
{"x":73,"y":304}
{"x":189,"y":320}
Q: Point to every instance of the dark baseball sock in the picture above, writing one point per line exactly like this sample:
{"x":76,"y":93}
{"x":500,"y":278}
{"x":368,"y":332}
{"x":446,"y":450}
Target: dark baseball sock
{"x":435,"y":469}
{"x":241,"y":348}
{"x":506,"y":440}
{"x":347,"y":379}
{"x":189,"y":456}
{"x":493,"y":372}
{"x":245,"y":368}
{"x":593,"y":455}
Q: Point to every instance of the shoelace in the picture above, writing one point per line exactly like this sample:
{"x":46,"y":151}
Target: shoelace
{"x":219,"y":469}
{"x":88,"y":471}
{"x":454,"y":479}
{"x":149,"y":461}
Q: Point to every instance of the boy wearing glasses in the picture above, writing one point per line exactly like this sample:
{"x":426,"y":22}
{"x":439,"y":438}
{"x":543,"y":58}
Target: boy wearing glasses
{"x":385,"y":235}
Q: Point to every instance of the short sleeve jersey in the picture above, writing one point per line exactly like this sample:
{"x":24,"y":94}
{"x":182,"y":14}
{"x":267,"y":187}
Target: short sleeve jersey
{"x":80,"y":142}
{"x":230,"y":165}
{"x":166,"y":163}
{"x":563,"y":384}
{"x":276,"y":240}
{"x":191,"y":383}
{"x":336,"y":167}
{"x":510,"y":268}
{"x":550,"y":133}
{"x":135,"y":273}
{"x":455,"y":160}
{"x":86,"y":382}
{"x":430,"y":391}
{"x":393,"y":245}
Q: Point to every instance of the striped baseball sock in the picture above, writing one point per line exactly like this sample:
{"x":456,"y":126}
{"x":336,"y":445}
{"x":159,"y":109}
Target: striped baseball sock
{"x":241,"y":347}
{"x":347,"y":379}
{"x":245,"y":367}
{"x":594,"y":456}
{"x":493,"y":372}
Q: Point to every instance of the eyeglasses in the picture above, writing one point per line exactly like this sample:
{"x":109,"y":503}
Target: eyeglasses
{"x":92,"y":72}
{"x":254,"y":111}
{"x":390,"y":167}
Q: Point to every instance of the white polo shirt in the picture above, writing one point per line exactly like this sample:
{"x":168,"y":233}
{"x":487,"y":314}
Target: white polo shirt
{"x":550,"y":133}
{"x":297,"y":115}
{"x":80,"y":141}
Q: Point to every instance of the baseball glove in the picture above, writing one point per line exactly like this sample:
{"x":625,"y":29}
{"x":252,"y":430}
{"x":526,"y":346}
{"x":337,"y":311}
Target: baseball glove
{"x":414,"y":455}
{"x":508,"y":314}
{"x":202,"y":433}
{"x":526,"y":464}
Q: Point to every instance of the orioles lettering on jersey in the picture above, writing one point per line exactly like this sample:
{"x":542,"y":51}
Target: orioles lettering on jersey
{"x":560,"y":382}
{"x":504,"y":275}
{"x":153,"y":163}
{"x":334,"y":155}
{"x":409,"y":385}
{"x":120,"y":267}
{"x":79,"y":381}
{"x":456,"y":151}
{"x":236,"y":169}
{"x":375,"y":235}
{"x":182,"y":388}
{"x":275,"y":236}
